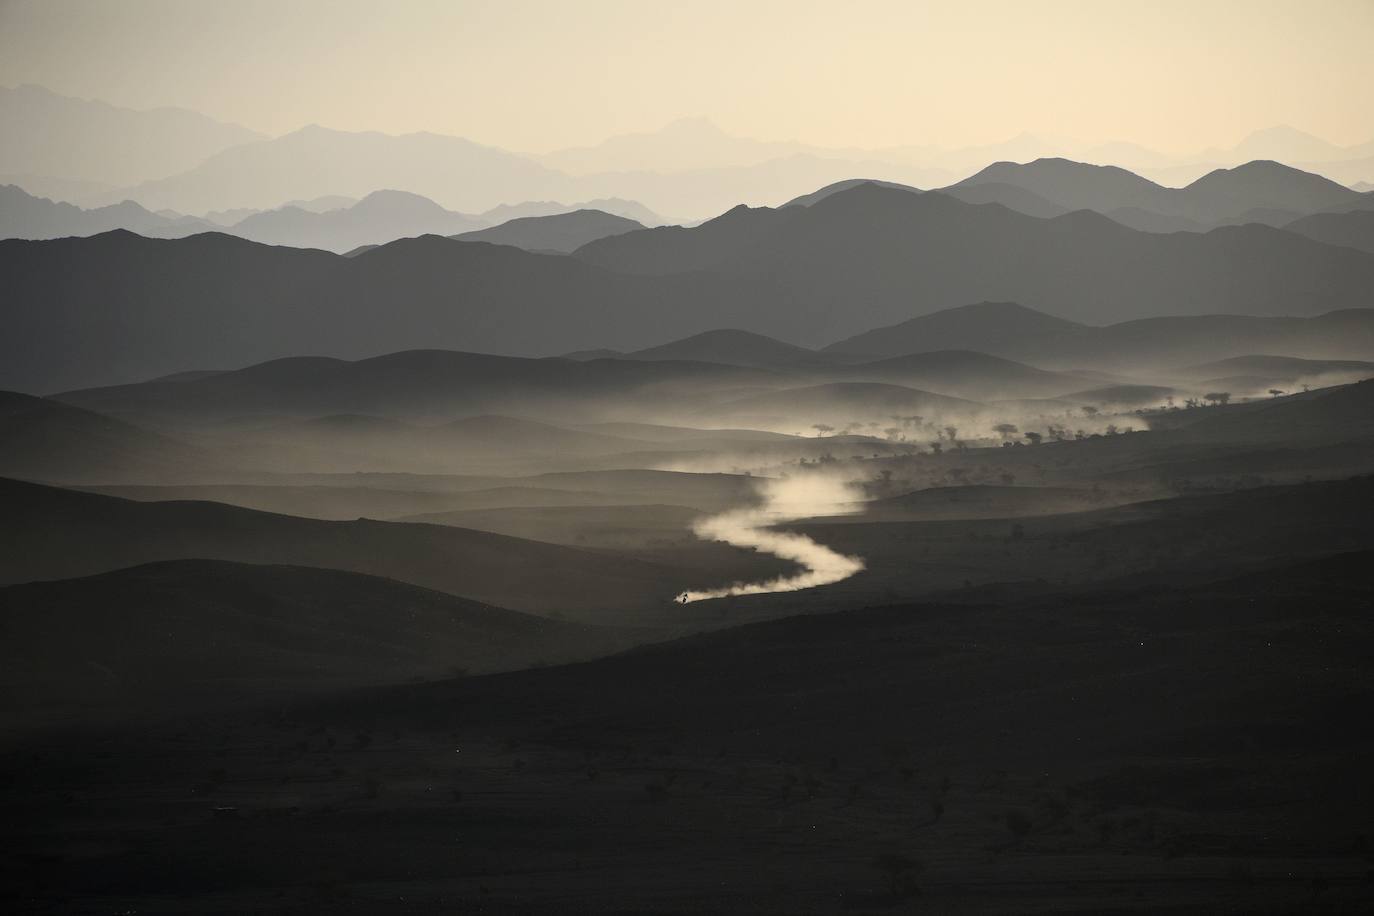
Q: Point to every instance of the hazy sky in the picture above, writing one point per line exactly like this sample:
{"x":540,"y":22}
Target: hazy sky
{"x":535,"y":76}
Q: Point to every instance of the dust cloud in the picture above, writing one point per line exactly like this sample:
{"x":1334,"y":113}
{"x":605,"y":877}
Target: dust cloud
{"x":785,"y":500}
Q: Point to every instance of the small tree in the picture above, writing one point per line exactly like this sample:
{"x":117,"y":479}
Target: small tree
{"x":1033,"y":438}
{"x":1218,"y":398}
{"x":1089,"y":411}
{"x":1005,"y":430}
{"x":822,"y":429}
{"x":1275,"y":392}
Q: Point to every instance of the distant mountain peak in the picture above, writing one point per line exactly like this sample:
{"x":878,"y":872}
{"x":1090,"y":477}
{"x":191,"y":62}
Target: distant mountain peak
{"x":391,"y":200}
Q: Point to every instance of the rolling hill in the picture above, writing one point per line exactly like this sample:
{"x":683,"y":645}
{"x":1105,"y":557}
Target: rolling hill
{"x":380,"y":217}
{"x":1351,"y":230}
{"x":424,"y":385}
{"x":50,"y":533}
{"x":992,"y":327}
{"x":730,"y":347}
{"x":23,"y":216}
{"x":189,"y":634}
{"x":561,"y":232}
{"x":1147,"y":345}
{"x":1258,"y":191}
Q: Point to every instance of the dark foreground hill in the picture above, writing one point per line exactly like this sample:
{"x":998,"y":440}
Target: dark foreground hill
{"x":185,"y":633}
{"x":1328,"y":415}
{"x":48,"y":533}
{"x":1134,"y":749}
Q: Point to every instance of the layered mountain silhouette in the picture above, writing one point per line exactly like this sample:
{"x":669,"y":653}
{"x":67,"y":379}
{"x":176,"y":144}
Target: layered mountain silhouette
{"x":806,"y":200}
{"x":24,"y":216}
{"x":380,"y":217}
{"x":616,"y":206}
{"x":1351,"y":230}
{"x":729,"y":347}
{"x":424,"y":386}
{"x":872,"y":248}
{"x":964,"y":373}
{"x":332,"y":222}
{"x":122,"y":308}
{"x":562,"y":232}
{"x":455,"y":172}
{"x":1259,"y":191}
{"x":992,"y":327}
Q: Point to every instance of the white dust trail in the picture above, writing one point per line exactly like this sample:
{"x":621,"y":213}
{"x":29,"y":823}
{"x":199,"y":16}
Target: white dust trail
{"x":784,"y":500}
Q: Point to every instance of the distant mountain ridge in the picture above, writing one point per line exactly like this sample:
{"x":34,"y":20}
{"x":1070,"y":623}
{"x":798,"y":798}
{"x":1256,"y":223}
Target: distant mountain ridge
{"x":24,"y":216}
{"x":1260,"y":190}
{"x":332,"y":223}
{"x":561,"y":232}
{"x":875,"y":245}
{"x":380,"y":217}
{"x":884,"y":254}
{"x":1351,"y":230}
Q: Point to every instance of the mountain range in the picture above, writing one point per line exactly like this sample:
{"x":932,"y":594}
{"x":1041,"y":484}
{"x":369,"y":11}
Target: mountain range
{"x":125,"y":308}
{"x":884,"y":251}
{"x":332,"y":223}
{"x":180,"y":160}
{"x":1258,"y":191}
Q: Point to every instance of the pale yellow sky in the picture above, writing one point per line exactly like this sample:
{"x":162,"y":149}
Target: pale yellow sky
{"x":534,"y":76}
